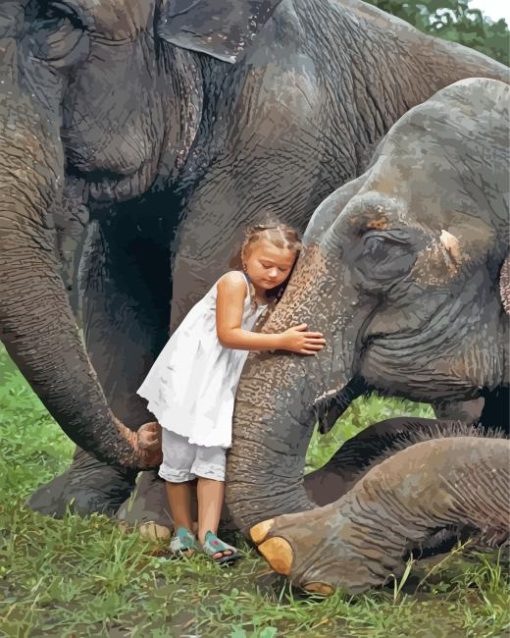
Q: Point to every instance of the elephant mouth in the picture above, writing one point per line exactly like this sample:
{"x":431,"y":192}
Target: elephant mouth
{"x":110,"y":186}
{"x":331,"y":405}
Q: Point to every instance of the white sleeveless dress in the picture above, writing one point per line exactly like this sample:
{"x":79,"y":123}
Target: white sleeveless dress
{"x":191,"y":387}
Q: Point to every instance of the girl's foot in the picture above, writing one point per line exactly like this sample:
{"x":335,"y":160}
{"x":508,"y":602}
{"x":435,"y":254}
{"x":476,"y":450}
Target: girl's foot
{"x":183,"y":543}
{"x":221,"y":552}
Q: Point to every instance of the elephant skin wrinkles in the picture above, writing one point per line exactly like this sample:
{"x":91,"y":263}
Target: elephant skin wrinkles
{"x":167,"y":144}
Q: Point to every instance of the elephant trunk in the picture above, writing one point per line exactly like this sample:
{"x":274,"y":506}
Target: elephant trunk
{"x":271,"y":435}
{"x":36,"y":321}
{"x":361,"y":540}
{"x":281,"y":395}
{"x":276,"y":409}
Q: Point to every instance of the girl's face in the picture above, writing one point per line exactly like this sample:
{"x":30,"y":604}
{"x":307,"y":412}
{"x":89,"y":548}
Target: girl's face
{"x":267,"y":265}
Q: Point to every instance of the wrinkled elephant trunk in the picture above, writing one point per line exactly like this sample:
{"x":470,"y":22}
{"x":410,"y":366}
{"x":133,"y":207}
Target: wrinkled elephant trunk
{"x":265,"y":471}
{"x":273,"y":423}
{"x":281,"y":396}
{"x":36,"y":321}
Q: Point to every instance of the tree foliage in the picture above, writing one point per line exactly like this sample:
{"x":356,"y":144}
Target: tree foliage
{"x":454,"y":20}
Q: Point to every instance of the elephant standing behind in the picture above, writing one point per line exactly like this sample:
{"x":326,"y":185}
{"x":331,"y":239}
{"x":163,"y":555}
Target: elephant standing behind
{"x":163,"y":128}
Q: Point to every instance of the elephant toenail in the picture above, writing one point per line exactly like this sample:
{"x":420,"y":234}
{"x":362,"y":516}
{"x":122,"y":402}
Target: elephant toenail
{"x":261,"y":530}
{"x":319,"y":588}
{"x":278,"y":553}
{"x":153,"y":532}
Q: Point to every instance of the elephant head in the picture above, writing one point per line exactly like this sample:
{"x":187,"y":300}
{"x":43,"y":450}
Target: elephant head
{"x":64,"y":128}
{"x":404,"y":272}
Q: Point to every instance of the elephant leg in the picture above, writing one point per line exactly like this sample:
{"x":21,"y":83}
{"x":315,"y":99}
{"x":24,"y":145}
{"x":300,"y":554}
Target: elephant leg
{"x":491,"y":411}
{"x":372,"y":446}
{"x":125,"y":288}
{"x":368,"y":448}
{"x":147,"y":507}
{"x":86,"y":486}
{"x":496,"y":411}
{"x":458,"y":482}
{"x":466,"y":411}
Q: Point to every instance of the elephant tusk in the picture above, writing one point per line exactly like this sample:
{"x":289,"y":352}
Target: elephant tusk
{"x":451,"y":245}
{"x":278,"y":553}
{"x":261,"y":530}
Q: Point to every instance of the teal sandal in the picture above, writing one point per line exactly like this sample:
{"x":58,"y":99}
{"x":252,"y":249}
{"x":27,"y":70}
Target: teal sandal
{"x":183,"y":543}
{"x":213,"y":545}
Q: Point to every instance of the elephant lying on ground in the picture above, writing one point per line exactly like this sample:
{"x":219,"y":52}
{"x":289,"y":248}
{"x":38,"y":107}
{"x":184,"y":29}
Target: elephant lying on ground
{"x":405,"y":272}
{"x":125,"y":129}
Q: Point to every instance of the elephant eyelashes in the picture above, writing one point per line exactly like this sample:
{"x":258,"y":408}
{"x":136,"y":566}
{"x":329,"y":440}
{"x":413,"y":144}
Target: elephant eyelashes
{"x":55,"y":31}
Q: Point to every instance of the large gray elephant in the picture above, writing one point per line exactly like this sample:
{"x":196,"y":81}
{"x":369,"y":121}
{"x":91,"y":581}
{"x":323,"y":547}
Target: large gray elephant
{"x":405,"y":271}
{"x":137,"y":139}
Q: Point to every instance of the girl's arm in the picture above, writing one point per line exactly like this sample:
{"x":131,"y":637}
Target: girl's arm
{"x":231,"y":293}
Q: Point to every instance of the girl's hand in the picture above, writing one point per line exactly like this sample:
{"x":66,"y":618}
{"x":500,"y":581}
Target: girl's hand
{"x":148,"y":442}
{"x":297,"y":339}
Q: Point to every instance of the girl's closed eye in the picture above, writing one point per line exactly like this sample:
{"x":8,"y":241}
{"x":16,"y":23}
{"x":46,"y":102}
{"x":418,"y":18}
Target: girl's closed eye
{"x":267,"y":256}
{"x":280,"y":268}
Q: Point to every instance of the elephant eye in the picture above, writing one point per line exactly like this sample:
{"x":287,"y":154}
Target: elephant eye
{"x":375,"y":246}
{"x":55,"y":31}
{"x":384,"y":256}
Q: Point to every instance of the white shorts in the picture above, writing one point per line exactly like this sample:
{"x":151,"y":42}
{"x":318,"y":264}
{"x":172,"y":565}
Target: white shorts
{"x":183,"y":461}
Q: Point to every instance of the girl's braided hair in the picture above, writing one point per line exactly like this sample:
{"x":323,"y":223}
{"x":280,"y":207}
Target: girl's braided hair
{"x":280,"y":235}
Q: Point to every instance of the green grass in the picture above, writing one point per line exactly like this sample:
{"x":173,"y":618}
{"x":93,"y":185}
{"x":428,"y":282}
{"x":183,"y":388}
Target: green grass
{"x":84,"y":577}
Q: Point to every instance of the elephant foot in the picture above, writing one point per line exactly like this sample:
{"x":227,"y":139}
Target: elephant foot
{"x":87,"y":486}
{"x":317,"y":551}
{"x":147,"y":508}
{"x":306,"y":547}
{"x":310,"y":549}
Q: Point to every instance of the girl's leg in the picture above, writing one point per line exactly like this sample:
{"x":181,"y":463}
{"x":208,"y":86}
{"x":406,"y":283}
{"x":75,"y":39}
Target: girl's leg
{"x":210,"y":501}
{"x":179,"y":501}
{"x":209,"y":466}
{"x":178,"y":456}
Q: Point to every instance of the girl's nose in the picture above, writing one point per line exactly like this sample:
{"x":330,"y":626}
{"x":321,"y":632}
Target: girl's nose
{"x":273,"y":273}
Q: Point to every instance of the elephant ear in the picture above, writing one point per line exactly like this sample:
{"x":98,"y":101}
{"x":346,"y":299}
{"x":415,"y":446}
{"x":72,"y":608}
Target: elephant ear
{"x":504,"y":285}
{"x":221,"y":28}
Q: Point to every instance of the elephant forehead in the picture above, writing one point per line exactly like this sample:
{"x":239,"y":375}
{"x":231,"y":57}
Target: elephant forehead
{"x":118,"y":19}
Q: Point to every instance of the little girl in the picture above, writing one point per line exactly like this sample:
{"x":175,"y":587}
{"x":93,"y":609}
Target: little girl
{"x":191,"y":386}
